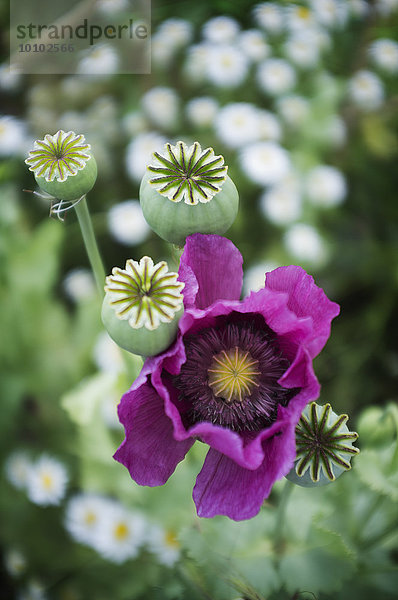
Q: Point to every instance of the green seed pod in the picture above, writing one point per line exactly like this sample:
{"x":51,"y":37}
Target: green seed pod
{"x":187,"y":190}
{"x":324,"y":447}
{"x":63,"y":165}
{"x":142,"y":306}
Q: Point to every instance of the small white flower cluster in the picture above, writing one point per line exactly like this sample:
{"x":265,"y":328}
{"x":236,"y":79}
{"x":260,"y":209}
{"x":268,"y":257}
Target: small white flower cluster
{"x":44,"y":479}
{"x":275,"y":18}
{"x":240,"y":123}
{"x":172,"y":35}
{"x":161,"y":106}
{"x":13,"y":137}
{"x":139,"y":152}
{"x":127,"y":224}
{"x":282,"y":204}
{"x":79,"y":285}
{"x":366,"y":89}
{"x":101,"y":60}
{"x":117,"y":533}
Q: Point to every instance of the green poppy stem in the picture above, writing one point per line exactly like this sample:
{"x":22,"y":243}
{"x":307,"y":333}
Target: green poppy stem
{"x":90,"y":243}
{"x":281,"y":516}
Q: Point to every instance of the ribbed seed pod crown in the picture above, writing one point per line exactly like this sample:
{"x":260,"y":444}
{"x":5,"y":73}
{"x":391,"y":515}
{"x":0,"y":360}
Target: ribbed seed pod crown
{"x":186,"y":190}
{"x":323,"y":446}
{"x":142,"y":306}
{"x":63,"y":165}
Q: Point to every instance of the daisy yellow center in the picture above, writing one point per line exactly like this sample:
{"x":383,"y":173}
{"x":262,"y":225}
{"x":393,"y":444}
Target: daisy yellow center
{"x":171,"y":540}
{"x":303,"y":12}
{"x":233,"y":374}
{"x":90,"y":518}
{"x":121,"y":531}
{"x":47,"y":481}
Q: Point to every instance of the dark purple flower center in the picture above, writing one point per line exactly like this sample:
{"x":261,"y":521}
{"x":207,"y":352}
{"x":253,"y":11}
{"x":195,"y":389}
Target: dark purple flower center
{"x":230,"y":377}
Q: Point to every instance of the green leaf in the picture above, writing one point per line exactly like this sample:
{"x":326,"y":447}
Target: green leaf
{"x":33,"y":266}
{"x":81,"y":403}
{"x":234,"y":556}
{"x":378,"y":470}
{"x":320,"y":565}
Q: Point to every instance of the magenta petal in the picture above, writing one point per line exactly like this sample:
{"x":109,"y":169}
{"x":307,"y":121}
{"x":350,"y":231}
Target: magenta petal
{"x":149,"y":451}
{"x":224,"y":488}
{"x":217,"y":268}
{"x":305,"y":299}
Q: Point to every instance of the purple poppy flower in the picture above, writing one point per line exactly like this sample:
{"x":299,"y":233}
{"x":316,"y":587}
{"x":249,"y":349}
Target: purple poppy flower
{"x":237,"y":378}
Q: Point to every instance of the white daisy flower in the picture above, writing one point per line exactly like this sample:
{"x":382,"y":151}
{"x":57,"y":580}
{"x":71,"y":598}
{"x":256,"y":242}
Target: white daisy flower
{"x":265,"y":163}
{"x":302,"y":48}
{"x":253,"y":45}
{"x":325,"y":186}
{"x":254,"y":277}
{"x":164,"y":544}
{"x":237,"y":124}
{"x":102,"y":59}
{"x":17,"y":467}
{"x":178,"y":32}
{"x":269,"y":126}
{"x":46,"y":482}
{"x":34,"y":590}
{"x":195,"y":66}
{"x":221,"y":30}
{"x":299,"y":17}
{"x":10,"y":77}
{"x":79,"y":285}
{"x":121,"y":535}
{"x":139,"y":152}
{"x":305,"y":243}
{"x":226,"y":66}
{"x":15,"y":562}
{"x":330,"y":13}
{"x":12,"y":136}
{"x":134,"y":122}
{"x":384,"y":54}
{"x":162,"y":50}
{"x":127,"y":223}
{"x":358,"y":8}
{"x":386,"y":7}
{"x":293,"y":109}
{"x":107,"y":355}
{"x":282,"y":203}
{"x":276,"y":76}
{"x":201,"y":111}
{"x":84,"y":515}
{"x":161,"y":105}
{"x":366,"y":90}
{"x":269,"y":16}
